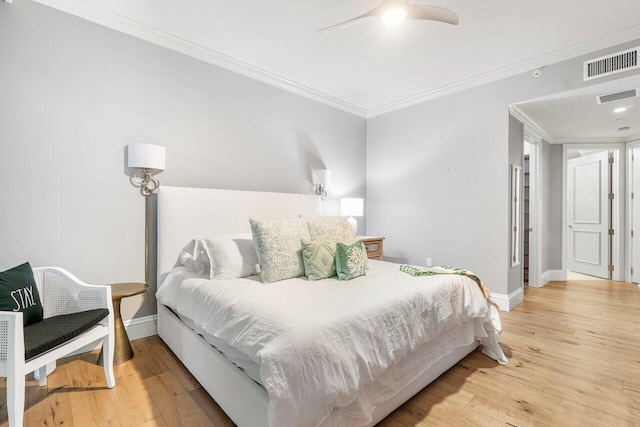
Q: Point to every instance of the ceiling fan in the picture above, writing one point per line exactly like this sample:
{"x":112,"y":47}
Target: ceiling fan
{"x":396,"y":11}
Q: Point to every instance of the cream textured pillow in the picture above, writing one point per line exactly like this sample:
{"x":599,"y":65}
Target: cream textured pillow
{"x":329,"y":227}
{"x":319,"y":257}
{"x":279,"y":247}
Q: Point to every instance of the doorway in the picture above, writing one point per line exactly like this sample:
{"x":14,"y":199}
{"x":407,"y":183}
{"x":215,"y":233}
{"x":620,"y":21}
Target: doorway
{"x":531,"y":256}
{"x":593,"y":207}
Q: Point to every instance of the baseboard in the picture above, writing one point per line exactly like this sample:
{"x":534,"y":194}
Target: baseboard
{"x":551,"y":276}
{"x":141,"y":327}
{"x":508,"y":302}
{"x":137,"y":328}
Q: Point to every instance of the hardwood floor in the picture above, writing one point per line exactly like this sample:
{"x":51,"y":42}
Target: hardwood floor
{"x":574,"y":359}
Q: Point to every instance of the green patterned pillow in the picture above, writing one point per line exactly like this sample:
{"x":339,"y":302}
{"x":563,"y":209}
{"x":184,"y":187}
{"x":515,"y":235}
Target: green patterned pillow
{"x":351,"y":260}
{"x":319,"y":257}
{"x":278,"y":245}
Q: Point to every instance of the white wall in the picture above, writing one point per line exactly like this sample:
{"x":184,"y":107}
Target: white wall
{"x":74,"y":94}
{"x":438,"y":173}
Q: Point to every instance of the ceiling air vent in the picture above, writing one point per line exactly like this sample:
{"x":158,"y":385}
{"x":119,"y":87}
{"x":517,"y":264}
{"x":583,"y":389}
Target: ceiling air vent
{"x":603,"y":99}
{"x":611,"y":64}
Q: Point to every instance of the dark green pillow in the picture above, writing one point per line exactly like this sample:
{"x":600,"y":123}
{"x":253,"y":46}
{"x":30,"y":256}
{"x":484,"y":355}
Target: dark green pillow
{"x":351,"y":260}
{"x":18,"y":292}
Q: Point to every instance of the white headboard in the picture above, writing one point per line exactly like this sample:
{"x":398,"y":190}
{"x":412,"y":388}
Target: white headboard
{"x":185,"y":213}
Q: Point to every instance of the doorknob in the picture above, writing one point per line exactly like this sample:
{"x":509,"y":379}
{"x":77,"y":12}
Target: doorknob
{"x":531,"y":230}
{"x":571,"y":226}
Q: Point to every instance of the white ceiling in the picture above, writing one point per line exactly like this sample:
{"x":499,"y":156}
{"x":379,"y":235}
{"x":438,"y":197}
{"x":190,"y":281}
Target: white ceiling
{"x":370,"y":68}
{"x":576,"y":116}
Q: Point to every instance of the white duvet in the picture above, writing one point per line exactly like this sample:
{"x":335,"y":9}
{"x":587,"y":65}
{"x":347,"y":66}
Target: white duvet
{"x":317,"y":344}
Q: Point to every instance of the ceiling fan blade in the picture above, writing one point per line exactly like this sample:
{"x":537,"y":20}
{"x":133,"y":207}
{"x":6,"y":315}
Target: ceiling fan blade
{"x":353,"y":21}
{"x":432,"y":13}
{"x":345,"y":24}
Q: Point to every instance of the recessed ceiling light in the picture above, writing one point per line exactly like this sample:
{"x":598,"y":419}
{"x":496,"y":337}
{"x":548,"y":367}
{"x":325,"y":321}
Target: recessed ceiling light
{"x":620,"y":110}
{"x":625,"y":128}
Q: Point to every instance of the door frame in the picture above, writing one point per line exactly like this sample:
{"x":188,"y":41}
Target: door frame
{"x":535,"y":221}
{"x":629,"y":210}
{"x":618,"y":245}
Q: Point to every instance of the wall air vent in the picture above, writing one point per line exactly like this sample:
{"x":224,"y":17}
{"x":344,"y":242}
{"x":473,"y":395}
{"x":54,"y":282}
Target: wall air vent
{"x":611,"y":64}
{"x":603,"y":99}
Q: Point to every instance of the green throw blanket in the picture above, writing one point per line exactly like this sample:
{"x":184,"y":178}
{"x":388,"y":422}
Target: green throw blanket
{"x":443,"y":269}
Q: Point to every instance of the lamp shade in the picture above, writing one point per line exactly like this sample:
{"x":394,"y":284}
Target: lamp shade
{"x":146,"y":156}
{"x":321,"y":177}
{"x":351,"y":207}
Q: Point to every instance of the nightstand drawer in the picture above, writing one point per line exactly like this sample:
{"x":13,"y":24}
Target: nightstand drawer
{"x":373,"y":246}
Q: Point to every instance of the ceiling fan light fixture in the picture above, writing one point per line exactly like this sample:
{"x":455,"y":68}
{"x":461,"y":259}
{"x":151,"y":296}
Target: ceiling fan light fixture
{"x":394,"y":16}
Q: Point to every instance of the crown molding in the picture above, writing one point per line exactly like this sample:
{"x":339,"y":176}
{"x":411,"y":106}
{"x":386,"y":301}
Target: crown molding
{"x":573,"y":51}
{"x":633,"y":138}
{"x":590,"y":140}
{"x":136,"y":29}
{"x":153,"y":35}
{"x":532,"y":126}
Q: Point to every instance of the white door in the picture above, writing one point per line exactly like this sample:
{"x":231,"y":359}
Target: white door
{"x":635,"y":216}
{"x":588,"y":210}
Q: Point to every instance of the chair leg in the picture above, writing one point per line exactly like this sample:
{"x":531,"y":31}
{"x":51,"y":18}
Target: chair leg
{"x":42,"y":376}
{"x":108,"y":345}
{"x":15,"y":398}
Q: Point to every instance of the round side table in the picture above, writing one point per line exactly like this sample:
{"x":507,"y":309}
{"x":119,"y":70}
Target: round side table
{"x":122,"y":351}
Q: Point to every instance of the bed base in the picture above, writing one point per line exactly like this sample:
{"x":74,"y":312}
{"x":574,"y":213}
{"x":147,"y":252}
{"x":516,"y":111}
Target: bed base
{"x":244,"y":401}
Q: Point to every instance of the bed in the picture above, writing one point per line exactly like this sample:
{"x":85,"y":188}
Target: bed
{"x":276,"y":381}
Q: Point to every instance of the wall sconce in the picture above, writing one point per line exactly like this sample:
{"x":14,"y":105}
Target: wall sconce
{"x":149,"y":160}
{"x":321,"y":179}
{"x":351,"y":208}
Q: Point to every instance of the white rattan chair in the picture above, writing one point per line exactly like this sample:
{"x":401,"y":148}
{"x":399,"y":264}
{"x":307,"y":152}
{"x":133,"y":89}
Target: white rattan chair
{"x":61,"y":293}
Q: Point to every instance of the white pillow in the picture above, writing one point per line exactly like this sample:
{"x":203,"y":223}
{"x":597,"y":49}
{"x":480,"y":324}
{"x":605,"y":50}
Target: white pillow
{"x":221,"y":257}
{"x":195,"y":256}
{"x":232,"y":256}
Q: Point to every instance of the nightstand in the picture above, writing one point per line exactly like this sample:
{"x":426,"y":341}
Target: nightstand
{"x":123,"y":350}
{"x":373,"y":245}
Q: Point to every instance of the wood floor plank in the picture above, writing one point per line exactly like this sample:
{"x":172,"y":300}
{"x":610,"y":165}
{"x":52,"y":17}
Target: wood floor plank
{"x":174,"y":402}
{"x":210,"y":408}
{"x":133,"y":402}
{"x":91,"y":403}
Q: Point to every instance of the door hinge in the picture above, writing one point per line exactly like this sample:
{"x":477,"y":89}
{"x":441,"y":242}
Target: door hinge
{"x":632,"y":271}
{"x":610,"y":159}
{"x":631,"y":233}
{"x":611,"y":232}
{"x":610,"y":196}
{"x":515,"y":228}
{"x":632,"y":195}
{"x":610,"y":267}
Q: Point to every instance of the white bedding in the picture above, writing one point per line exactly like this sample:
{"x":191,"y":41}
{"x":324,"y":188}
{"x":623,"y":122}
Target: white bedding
{"x":318,"y":344}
